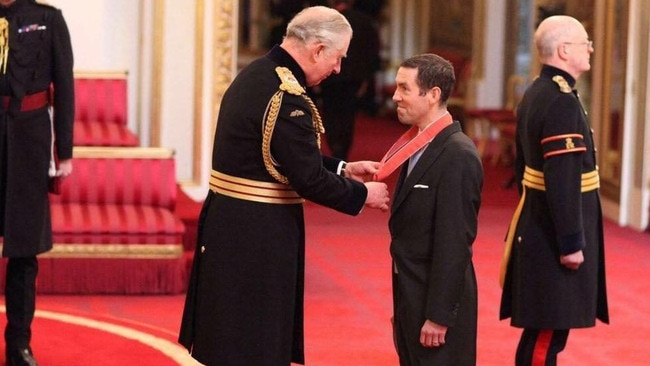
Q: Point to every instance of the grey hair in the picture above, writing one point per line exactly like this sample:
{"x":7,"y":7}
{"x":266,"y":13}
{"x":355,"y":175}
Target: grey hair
{"x":319,"y":24}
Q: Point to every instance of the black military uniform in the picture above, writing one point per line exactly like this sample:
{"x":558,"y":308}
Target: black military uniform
{"x":245,"y":300}
{"x":35,"y":71}
{"x":559,"y":214}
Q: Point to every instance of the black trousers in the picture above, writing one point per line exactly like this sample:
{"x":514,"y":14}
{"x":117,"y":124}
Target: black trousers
{"x":20,"y":300}
{"x":540,"y":347}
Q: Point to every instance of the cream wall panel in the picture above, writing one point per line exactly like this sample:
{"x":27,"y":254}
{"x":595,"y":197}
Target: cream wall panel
{"x":122,"y":35}
{"x":489,"y":89}
{"x":177,"y":81}
{"x":105,"y":36}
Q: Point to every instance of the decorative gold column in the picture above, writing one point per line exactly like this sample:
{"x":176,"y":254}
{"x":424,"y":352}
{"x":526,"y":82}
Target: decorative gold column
{"x":225,"y":48}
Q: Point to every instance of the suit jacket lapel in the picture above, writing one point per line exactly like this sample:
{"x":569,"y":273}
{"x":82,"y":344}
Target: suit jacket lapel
{"x":400,"y":179}
{"x":405,"y":183}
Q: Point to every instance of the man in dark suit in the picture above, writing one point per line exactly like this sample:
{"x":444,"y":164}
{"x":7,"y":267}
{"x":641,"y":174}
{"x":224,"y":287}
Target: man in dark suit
{"x":433,"y":221}
{"x":245,"y":300}
{"x":553,"y":271}
{"x":35,"y":55}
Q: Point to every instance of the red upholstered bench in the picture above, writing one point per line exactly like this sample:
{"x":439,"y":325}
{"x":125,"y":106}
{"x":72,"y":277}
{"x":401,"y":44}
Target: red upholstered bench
{"x":114,"y":225}
{"x":101,"y":109}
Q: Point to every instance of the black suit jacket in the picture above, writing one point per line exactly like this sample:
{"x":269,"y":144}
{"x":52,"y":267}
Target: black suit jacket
{"x":433,"y":225}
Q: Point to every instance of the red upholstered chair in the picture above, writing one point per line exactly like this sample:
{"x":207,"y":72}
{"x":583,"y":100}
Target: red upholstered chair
{"x":101,"y":109}
{"x":114,"y":226}
{"x":505,"y":121}
{"x":502,"y":120}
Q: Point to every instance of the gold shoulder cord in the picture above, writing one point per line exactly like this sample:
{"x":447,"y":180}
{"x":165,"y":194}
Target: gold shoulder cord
{"x":290,"y":85}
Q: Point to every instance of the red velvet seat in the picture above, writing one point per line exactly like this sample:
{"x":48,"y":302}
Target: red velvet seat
{"x":101,"y":110}
{"x":103,"y":134}
{"x":114,"y":226}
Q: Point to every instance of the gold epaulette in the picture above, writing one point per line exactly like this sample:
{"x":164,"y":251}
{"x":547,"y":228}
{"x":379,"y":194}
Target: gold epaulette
{"x":289,"y":82}
{"x":562,"y":83}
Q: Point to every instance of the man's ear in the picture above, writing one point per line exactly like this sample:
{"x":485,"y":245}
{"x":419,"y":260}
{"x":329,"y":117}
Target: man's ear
{"x":318,"y":50}
{"x":562,"y":52}
{"x":436,"y":94}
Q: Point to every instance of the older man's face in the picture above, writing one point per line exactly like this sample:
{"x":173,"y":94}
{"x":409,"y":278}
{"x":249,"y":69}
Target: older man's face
{"x":326,"y":61}
{"x":578,"y":50}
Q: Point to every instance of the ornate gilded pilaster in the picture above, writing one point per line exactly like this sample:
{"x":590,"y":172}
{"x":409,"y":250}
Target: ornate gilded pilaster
{"x":225,"y":49}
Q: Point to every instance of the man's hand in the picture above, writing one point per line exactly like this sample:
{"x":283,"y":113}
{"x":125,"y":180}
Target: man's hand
{"x":573,"y":260}
{"x":361,"y":171}
{"x":377,"y":195}
{"x":432,"y":334}
{"x":65,"y":168}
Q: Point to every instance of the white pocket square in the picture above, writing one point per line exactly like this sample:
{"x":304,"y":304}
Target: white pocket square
{"x":421,"y":186}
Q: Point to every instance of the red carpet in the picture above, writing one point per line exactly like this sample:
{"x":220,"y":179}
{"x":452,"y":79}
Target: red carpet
{"x":106,"y":330}
{"x":348,"y":295}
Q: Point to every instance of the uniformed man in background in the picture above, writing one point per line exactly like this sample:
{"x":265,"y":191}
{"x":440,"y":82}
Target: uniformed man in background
{"x":35,"y":74}
{"x":553,"y":272}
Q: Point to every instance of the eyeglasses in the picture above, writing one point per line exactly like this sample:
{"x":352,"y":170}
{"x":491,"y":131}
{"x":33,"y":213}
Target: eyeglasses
{"x":589,"y":44}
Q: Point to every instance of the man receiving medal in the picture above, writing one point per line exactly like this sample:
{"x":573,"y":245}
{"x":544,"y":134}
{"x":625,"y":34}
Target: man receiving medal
{"x":433,"y":220}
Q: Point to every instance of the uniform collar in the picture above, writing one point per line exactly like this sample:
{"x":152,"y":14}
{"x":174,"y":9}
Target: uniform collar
{"x":550,"y":71}
{"x":283,"y":58}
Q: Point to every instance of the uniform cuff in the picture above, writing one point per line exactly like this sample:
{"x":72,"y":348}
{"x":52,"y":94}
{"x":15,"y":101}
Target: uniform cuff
{"x":340,"y":170}
{"x":572,"y":243}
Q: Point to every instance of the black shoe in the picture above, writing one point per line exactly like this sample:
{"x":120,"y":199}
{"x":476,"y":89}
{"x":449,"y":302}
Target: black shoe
{"x":21,"y":357}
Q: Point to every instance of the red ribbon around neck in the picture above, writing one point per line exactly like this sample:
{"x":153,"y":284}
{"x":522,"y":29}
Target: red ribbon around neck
{"x":408,"y":144}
